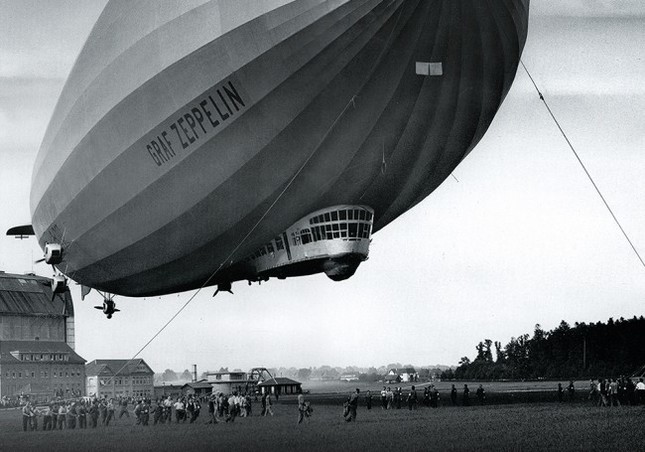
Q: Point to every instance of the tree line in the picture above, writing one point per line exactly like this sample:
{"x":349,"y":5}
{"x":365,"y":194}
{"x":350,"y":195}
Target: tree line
{"x":583,"y":351}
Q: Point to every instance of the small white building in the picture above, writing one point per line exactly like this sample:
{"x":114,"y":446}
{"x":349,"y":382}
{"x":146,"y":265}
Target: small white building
{"x":228,"y":382}
{"x":404,"y":375}
{"x":349,"y":377}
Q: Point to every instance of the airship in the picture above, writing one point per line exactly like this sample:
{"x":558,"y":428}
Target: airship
{"x":203,"y":142}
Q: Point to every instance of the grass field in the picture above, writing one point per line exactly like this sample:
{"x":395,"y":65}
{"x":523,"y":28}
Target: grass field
{"x":541,"y":426}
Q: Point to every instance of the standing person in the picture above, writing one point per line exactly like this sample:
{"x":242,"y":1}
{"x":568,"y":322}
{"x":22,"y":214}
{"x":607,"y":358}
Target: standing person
{"x":47,"y":418}
{"x":34,"y":418}
{"x":124,"y":408}
{"x":180,"y":410}
{"x":353,"y":406}
{"x":302,"y":408}
{"x":55,"y":408}
{"x":145,"y":412}
{"x":453,"y":395}
{"x":384,"y":398}
{"x":434,"y":397}
{"x":157,"y":413}
{"x":602,"y":391}
{"x":94,"y":413}
{"x":412,"y":399}
{"x":269,"y":409}
{"x":27,"y":413}
{"x":137,"y":411}
{"x":71,"y":416}
{"x":630,"y":388}
{"x":167,"y":410}
{"x":466,"y":396}
{"x":232,"y":411}
{"x":426,"y":397}
{"x":110,"y":412}
{"x":640,"y":392}
{"x":399,"y":397}
{"x":571,"y":390}
{"x":82,"y":413}
{"x":249,"y":405}
{"x":481,"y":394}
{"x":390,"y":398}
{"x":62,"y":412}
{"x":613,"y":393}
{"x":368,"y":400}
{"x":560,"y":392}
{"x":190,"y":409}
{"x":103,"y":411}
{"x":212,"y":419}
{"x":593,"y":390}
{"x":263,"y":400}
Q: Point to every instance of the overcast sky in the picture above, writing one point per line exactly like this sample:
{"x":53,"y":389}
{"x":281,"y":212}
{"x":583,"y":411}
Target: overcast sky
{"x":521,"y":239}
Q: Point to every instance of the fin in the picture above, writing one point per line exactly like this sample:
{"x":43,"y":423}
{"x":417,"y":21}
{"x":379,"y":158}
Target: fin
{"x":21,"y":232}
{"x":85,"y":291}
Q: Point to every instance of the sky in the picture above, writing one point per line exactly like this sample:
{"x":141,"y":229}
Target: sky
{"x":519,"y":237}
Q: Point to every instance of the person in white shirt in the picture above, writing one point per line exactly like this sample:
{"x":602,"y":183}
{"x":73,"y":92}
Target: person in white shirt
{"x":180,"y":411}
{"x":640,"y":391}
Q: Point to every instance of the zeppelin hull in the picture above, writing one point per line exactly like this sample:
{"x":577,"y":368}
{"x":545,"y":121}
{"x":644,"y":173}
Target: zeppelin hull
{"x":180,"y":146}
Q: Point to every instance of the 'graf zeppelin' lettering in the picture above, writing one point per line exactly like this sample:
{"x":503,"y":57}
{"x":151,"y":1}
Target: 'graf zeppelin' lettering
{"x":196,"y":122}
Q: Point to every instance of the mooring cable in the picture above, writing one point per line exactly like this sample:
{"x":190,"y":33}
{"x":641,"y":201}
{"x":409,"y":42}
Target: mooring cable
{"x":557,"y":123}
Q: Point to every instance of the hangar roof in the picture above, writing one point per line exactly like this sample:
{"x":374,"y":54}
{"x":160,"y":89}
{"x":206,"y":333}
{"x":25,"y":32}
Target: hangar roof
{"x":32,"y":295}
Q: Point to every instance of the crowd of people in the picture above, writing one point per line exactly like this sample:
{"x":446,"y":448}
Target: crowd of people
{"x":86,"y":412}
{"x":397,"y":398}
{"x":608,"y":392}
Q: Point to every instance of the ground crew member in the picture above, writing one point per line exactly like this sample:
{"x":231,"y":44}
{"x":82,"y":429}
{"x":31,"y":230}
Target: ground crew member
{"x":412,"y":399}
{"x":110,"y":412}
{"x":27,"y":413}
{"x":82,"y":412}
{"x":466,"y":400}
{"x":269,"y":409}
{"x":47,"y":418}
{"x":481,"y":394}
{"x":302,"y":408}
{"x":124,"y":408}
{"x":352,"y":405}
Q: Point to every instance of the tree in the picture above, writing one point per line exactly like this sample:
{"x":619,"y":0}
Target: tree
{"x":499,"y":353}
{"x":169,"y":375}
{"x":186,"y":375}
{"x":304,"y":374}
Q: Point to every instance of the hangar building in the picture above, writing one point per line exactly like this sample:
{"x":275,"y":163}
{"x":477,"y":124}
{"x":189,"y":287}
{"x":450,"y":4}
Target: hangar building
{"x":37,"y":356}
